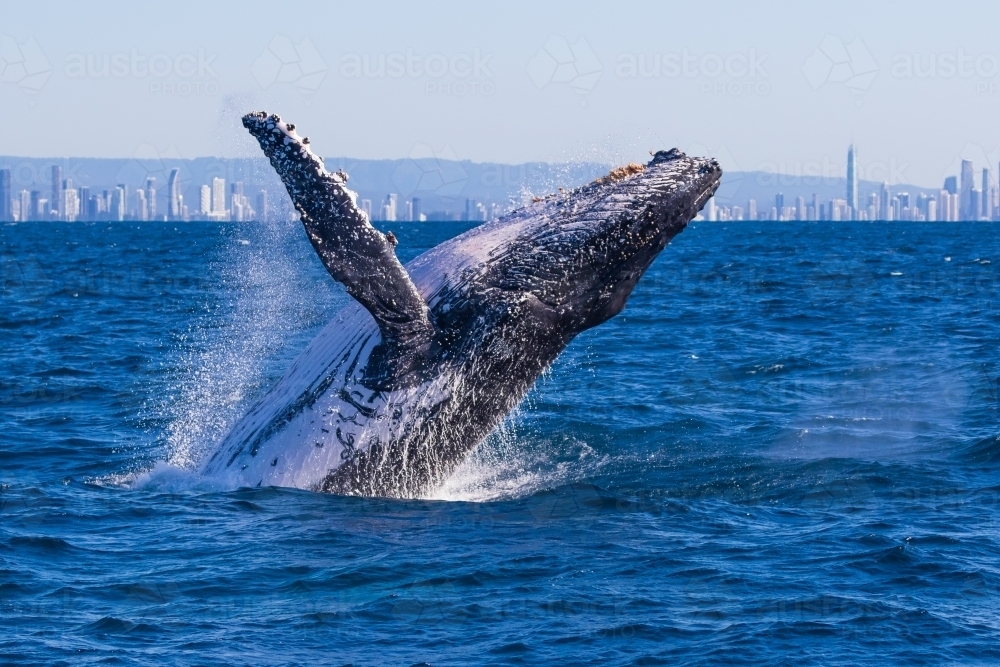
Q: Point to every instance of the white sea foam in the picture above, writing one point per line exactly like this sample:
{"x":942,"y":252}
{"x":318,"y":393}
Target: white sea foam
{"x":167,"y":478}
{"x":514,"y":463}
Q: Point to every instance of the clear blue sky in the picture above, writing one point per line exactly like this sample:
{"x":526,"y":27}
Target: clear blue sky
{"x":778,"y":85}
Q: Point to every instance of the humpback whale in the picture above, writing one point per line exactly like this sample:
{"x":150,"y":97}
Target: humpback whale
{"x":404,"y":382}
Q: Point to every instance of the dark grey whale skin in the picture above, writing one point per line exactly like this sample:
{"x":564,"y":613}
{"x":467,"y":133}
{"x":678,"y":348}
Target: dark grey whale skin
{"x":554,"y":268}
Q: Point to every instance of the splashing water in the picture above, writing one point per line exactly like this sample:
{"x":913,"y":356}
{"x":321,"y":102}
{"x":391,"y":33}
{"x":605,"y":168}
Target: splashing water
{"x":233,"y":350}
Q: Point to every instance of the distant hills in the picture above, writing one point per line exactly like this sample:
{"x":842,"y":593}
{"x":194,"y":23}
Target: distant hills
{"x":442,"y":185}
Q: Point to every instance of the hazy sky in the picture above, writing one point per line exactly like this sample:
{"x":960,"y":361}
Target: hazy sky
{"x":777,"y":86}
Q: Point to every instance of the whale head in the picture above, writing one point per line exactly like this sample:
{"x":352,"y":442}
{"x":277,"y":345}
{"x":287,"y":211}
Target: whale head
{"x":593,"y":244}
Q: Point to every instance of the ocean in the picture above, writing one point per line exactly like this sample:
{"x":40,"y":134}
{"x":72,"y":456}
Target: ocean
{"x":785,"y":449}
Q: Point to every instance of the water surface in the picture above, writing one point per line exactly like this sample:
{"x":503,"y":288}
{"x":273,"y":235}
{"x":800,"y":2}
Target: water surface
{"x":786,"y":448}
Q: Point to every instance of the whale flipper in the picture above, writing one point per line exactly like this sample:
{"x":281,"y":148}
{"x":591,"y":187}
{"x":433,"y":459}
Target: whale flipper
{"x":355,"y":253}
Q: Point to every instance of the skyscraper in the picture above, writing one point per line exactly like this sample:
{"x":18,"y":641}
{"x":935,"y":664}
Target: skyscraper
{"x":55,"y":200}
{"x":25,"y":205}
{"x":174,"y":195}
{"x":238,"y":205}
{"x":416,"y":208}
{"x":151,"y":198}
{"x":389,"y":207}
{"x":5,"y":196}
{"x":262,"y":212}
{"x":951,"y":185}
{"x":966,"y":192}
{"x":205,"y":202}
{"x":84,"y":202}
{"x":36,"y":206}
{"x":70,"y":201}
{"x":218,"y":196}
{"x":141,"y":209}
{"x":118,"y":203}
{"x":852,"y":179}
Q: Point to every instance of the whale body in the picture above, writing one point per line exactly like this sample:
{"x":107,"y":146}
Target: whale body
{"x":401,"y":385}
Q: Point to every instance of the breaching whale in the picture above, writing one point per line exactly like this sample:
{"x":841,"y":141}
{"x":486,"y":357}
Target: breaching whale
{"x":394,"y":392}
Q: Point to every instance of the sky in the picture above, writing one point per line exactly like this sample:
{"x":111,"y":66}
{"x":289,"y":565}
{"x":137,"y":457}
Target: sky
{"x":774,"y":86}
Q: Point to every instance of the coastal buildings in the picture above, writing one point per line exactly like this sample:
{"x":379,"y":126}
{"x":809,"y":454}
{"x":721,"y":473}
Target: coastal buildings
{"x":958,"y":200}
{"x":174,"y":199}
{"x":213,"y":191}
{"x":852,"y":178}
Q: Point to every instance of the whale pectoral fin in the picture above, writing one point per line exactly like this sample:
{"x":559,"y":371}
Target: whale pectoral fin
{"x":355,"y":253}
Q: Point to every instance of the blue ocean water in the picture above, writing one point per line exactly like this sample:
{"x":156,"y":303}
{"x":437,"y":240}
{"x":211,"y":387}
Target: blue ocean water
{"x":787,"y":448}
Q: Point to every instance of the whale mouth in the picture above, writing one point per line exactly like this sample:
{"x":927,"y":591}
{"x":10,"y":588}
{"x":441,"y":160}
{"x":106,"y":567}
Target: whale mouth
{"x":712,"y":186}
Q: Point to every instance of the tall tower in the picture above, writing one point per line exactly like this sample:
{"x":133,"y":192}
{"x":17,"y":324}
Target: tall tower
{"x":174,"y":195}
{"x":262,"y":212}
{"x":965,"y":193}
{"x":151,"y":198}
{"x":852,"y":180}
{"x":218,"y":195}
{"x":55,"y":201}
{"x":205,"y":201}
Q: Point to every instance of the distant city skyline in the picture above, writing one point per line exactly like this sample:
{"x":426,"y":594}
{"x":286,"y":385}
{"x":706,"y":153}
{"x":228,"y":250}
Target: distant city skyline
{"x":952,"y":203}
{"x":958,"y":198}
{"x":770,"y":88}
{"x":69,"y":202}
